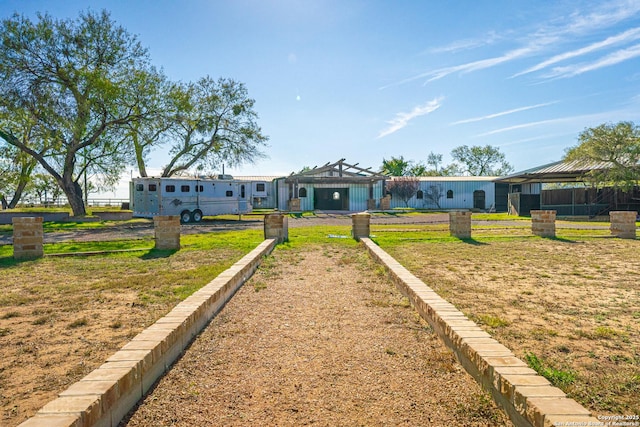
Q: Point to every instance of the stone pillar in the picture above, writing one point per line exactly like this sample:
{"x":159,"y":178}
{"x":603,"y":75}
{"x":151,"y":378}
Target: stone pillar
{"x":543,"y":223}
{"x":623,"y":224}
{"x":385,"y":203}
{"x":167,"y":232}
{"x":276,"y":226}
{"x":360,"y":225}
{"x":27,"y":237}
{"x":371,"y":204}
{"x":460,"y":224}
{"x":294,"y":205}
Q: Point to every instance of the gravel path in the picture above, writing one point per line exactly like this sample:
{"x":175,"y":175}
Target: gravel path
{"x":317,"y":336}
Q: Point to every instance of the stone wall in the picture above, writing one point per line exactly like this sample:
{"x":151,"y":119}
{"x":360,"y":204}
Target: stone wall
{"x":623,"y":224}
{"x":543,"y":223}
{"x":28,"y":236}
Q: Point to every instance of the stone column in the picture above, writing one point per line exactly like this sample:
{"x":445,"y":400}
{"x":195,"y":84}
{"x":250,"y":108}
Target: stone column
{"x":294,"y":205}
{"x":385,"y":203}
{"x":543,"y":223}
{"x":460,"y":224}
{"x":28,"y":237}
{"x":371,"y":204}
{"x":623,"y":224}
{"x":276,"y":226}
{"x":360,"y":225}
{"x":167,"y":232}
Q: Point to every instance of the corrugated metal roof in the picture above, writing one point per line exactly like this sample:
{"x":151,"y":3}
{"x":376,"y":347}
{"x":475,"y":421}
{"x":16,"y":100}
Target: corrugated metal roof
{"x":257,"y":177}
{"x":555,"y":172}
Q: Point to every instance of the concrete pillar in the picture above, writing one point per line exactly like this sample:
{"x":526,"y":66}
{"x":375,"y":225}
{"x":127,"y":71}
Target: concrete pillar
{"x":623,"y":224}
{"x":460,"y":224}
{"x":360,"y":225}
{"x":167,"y":232}
{"x":543,"y":223}
{"x":385,"y":203}
{"x":28,"y":237}
{"x":276,"y":226}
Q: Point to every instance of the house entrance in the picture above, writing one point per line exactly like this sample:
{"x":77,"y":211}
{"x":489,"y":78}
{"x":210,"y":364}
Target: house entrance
{"x":331,"y":199}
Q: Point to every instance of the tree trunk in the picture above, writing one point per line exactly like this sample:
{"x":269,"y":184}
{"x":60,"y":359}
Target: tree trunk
{"x":18,"y":193}
{"x":73,"y":191}
{"x":3,"y":201}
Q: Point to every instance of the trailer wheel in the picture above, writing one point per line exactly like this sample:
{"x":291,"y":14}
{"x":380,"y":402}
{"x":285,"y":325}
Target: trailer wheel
{"x":185,"y":217}
{"x":196,"y":215}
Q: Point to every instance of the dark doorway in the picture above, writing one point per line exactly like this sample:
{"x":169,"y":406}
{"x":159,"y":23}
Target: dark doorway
{"x":478,"y":199}
{"x":331,"y":199}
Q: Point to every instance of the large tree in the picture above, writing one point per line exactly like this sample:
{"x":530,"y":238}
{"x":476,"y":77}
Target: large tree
{"x":611,"y":152}
{"x":79,"y":83}
{"x":205,"y":124}
{"x":396,"y":166}
{"x":481,"y":161}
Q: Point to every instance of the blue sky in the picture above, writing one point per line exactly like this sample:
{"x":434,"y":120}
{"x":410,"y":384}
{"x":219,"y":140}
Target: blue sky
{"x":367,"y":80}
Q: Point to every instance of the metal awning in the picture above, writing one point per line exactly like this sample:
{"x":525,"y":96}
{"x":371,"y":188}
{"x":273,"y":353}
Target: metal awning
{"x":554,"y":172}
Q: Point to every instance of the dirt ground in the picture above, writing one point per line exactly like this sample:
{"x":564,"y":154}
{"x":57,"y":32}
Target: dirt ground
{"x":317,"y":336}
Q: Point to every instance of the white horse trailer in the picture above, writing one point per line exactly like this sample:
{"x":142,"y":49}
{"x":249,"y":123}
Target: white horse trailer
{"x":190,"y":198}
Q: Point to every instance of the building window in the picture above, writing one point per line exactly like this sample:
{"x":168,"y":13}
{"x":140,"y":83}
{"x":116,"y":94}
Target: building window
{"x":420,"y":194}
{"x":185,"y":188}
{"x":260,"y":186}
{"x":229,"y":193}
{"x":139,"y":187}
{"x":170,"y":188}
{"x":336,"y":195}
{"x":450,"y":194}
{"x":153,"y":187}
{"x":302,"y":192}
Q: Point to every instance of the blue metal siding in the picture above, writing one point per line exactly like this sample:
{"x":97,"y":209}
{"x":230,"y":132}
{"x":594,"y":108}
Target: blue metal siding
{"x":462,"y":195}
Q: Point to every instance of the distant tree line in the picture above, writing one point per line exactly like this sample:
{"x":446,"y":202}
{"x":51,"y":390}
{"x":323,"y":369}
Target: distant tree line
{"x":471,"y":161}
{"x":81,"y":102}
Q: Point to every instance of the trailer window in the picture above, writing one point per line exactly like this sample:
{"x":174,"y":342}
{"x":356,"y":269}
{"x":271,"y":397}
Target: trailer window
{"x":170,"y":188}
{"x":185,"y":188}
{"x":260,"y":186}
{"x":139,"y":187}
{"x":153,"y":187}
{"x":242,"y":195}
{"x":199,"y":188}
{"x":229,"y":193}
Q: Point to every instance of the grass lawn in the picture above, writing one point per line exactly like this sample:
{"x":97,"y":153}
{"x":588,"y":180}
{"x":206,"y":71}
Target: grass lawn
{"x":569,"y":307}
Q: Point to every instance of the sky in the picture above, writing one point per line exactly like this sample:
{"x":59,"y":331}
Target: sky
{"x":367,"y":80}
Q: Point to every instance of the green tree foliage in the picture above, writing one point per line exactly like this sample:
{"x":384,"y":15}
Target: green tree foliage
{"x":481,"y":161}
{"x":79,"y":83}
{"x":403,"y":188}
{"x":212,"y":122}
{"x":396,"y":166}
{"x":616,"y":147}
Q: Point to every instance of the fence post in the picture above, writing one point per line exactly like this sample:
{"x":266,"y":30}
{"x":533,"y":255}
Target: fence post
{"x":623,"y":224}
{"x":360,"y":225}
{"x":276,"y":226}
{"x":460,"y":224}
{"x":28,"y":236}
{"x":167,"y":232}
{"x":543,"y":223}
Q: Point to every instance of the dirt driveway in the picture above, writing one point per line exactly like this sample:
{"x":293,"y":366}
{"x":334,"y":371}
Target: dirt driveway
{"x":317,"y":336}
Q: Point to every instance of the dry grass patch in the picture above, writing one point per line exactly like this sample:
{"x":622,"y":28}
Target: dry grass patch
{"x":568,"y":307}
{"x":61,"y":317}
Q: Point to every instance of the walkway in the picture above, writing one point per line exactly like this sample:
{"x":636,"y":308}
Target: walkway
{"x":317,"y":336}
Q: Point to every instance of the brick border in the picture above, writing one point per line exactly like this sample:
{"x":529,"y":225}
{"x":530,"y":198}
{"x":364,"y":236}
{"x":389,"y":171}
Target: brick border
{"x":527,"y":398}
{"x":107,"y":394}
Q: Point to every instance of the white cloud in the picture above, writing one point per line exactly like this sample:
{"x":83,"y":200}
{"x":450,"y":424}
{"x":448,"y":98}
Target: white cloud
{"x":606,"y":61}
{"x":502,"y":113}
{"x":402,"y":119}
{"x":466,"y":44}
{"x":629,"y":35}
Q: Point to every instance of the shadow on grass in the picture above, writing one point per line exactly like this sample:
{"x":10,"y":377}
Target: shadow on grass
{"x":474,"y":242}
{"x":158,"y":253}
{"x":561,"y":239}
{"x":10,"y":261}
